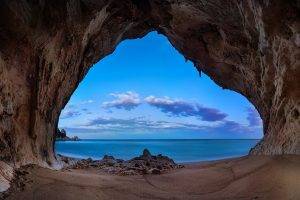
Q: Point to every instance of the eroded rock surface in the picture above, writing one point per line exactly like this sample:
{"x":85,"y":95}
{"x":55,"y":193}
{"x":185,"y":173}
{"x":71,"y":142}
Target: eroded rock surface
{"x":6,"y":176}
{"x":48,"y":46}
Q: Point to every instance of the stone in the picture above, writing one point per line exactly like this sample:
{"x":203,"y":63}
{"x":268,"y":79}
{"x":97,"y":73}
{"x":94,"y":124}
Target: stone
{"x":109,"y":160}
{"x":6,"y":175}
{"x":144,"y":164}
{"x":107,"y":157}
{"x":146,"y":153}
{"x":155,"y":171}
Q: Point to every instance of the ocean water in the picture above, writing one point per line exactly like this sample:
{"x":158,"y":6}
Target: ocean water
{"x":179,"y":150}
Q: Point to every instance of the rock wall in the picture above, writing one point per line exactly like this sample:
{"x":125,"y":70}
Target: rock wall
{"x":48,"y":46}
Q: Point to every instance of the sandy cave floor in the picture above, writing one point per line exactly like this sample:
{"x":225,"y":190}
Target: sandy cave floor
{"x":251,"y":177}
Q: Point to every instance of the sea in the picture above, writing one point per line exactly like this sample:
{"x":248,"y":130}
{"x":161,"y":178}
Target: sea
{"x":180,"y":150}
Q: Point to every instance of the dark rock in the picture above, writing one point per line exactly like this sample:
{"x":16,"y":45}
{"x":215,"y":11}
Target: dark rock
{"x":107,"y":157}
{"x":155,"y":171}
{"x":144,"y":164}
{"x":146,"y":153}
{"x":61,"y":135}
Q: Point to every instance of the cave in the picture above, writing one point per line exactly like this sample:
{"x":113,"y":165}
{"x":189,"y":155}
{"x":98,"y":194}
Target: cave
{"x":145,"y":95}
{"x":47,"y":48}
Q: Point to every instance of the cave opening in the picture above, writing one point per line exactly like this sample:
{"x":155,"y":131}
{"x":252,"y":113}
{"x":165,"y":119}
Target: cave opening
{"x":147,"y":95}
{"x":250,"y":47}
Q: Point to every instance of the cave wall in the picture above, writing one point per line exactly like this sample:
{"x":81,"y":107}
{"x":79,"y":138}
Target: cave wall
{"x":47,"y":47}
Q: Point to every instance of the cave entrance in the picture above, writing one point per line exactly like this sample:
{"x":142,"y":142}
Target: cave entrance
{"x":146,"y":95}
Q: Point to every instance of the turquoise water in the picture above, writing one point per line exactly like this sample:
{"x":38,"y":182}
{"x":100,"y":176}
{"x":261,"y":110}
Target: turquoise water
{"x":179,"y":150}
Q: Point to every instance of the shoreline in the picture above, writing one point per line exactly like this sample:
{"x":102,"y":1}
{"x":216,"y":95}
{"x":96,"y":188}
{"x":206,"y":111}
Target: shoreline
{"x":198,"y":148}
{"x":181,"y":163}
{"x":82,"y":139}
{"x":247,"y":177}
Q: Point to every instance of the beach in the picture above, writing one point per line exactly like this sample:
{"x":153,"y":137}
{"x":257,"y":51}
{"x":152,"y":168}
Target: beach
{"x":249,"y":177}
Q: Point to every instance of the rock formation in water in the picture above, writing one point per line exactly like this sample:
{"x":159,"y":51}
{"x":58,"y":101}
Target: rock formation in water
{"x":48,"y":46}
{"x":61,"y":135}
{"x":144,"y":164}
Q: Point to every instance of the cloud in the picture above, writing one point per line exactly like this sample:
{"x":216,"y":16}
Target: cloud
{"x":74,"y":110}
{"x":86,"y":111}
{"x":69,"y":114}
{"x":75,"y":105}
{"x":233,"y":126}
{"x":141,"y":124}
{"x":253,"y":117}
{"x":132,"y":123}
{"x":86,"y":102}
{"x":186,"y":109}
{"x":128,"y":101}
{"x":214,"y":123}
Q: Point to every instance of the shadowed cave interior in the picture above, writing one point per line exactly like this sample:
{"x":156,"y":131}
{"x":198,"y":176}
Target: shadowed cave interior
{"x":47,"y":47}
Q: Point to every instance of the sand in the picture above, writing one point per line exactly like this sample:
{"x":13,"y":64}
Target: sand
{"x":251,"y":177}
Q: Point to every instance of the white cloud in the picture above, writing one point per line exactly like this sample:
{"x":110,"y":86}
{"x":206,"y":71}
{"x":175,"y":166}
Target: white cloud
{"x":128,"y":101}
{"x":69,"y":114}
{"x":86,"y":102}
{"x":176,"y":107}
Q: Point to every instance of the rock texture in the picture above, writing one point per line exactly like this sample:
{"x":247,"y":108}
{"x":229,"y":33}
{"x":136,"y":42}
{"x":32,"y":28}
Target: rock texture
{"x":6,"y":176}
{"x":61,"y":135}
{"x":48,"y":46}
{"x":144,"y":164}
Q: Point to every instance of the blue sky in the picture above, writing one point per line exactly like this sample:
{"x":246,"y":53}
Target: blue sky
{"x":146,"y":89}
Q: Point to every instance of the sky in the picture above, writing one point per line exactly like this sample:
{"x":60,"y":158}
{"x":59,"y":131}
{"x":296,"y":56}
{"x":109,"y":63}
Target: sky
{"x":147,"y":90}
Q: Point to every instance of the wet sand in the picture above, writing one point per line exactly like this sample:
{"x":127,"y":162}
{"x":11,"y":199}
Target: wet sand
{"x":253,"y":177}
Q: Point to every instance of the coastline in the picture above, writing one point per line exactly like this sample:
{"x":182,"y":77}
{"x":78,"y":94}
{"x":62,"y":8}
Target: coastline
{"x":200,"y":162}
{"x":248,"y":177}
{"x":181,"y":151}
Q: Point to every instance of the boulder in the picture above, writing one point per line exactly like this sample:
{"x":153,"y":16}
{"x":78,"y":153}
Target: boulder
{"x":146,"y":153}
{"x":144,"y":164}
{"x":155,"y":171}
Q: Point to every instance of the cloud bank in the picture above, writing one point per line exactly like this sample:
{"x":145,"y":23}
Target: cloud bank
{"x":69,"y":114}
{"x":141,"y":125}
{"x":75,"y":110}
{"x":185,"y":109}
{"x":217,"y":120}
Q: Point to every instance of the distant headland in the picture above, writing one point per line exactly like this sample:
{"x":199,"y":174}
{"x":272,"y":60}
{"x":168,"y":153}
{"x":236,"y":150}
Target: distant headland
{"x":61,"y":135}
